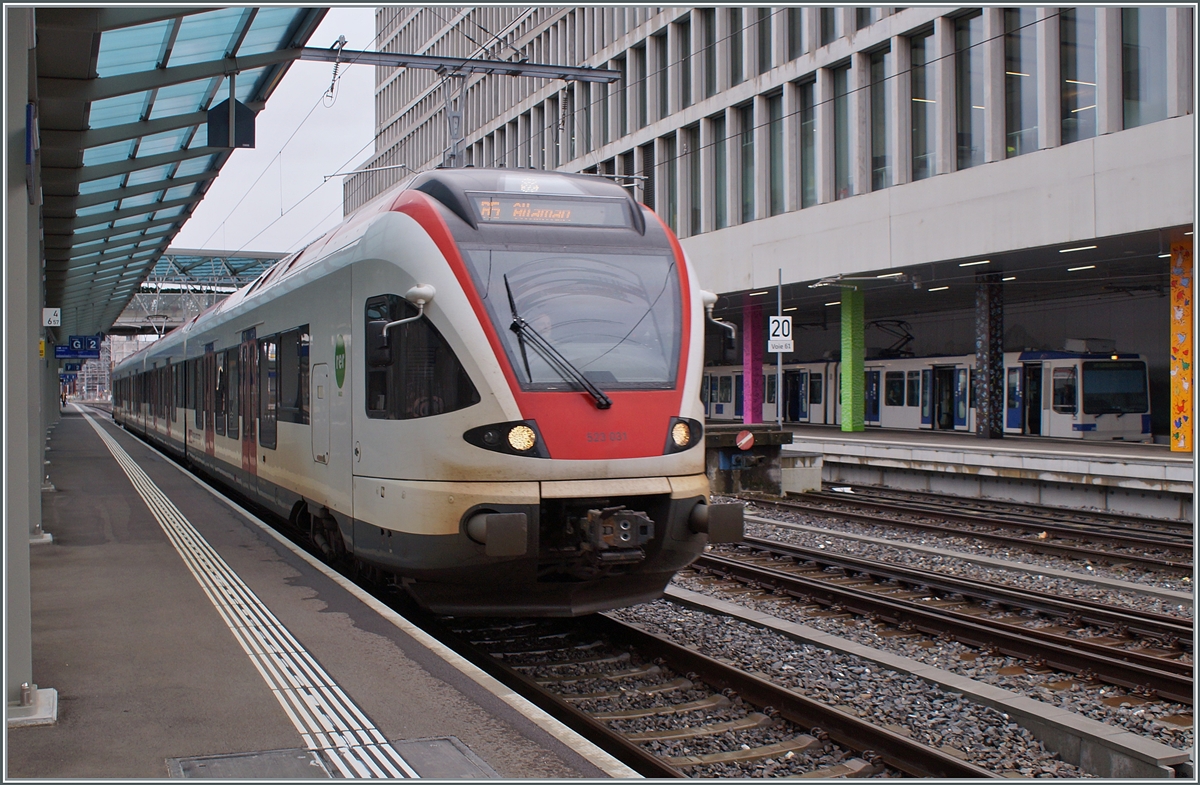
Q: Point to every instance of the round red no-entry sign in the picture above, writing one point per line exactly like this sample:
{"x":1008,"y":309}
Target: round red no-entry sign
{"x":745,"y":440}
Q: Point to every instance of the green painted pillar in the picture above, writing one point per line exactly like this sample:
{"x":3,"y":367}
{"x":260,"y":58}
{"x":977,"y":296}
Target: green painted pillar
{"x":853,"y":354}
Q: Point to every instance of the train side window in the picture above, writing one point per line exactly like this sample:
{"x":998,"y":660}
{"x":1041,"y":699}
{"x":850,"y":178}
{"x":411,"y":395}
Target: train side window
{"x":913,"y":393}
{"x":1013,"y":397}
{"x":771,"y":388}
{"x":293,"y":375}
{"x":893,"y":388}
{"x":268,"y":385}
{"x":231,"y":394}
{"x":815,"y":392}
{"x":1065,"y":395}
{"x":725,"y":390}
{"x":411,"y":372}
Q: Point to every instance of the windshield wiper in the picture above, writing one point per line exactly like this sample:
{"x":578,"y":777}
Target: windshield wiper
{"x":553,"y":357}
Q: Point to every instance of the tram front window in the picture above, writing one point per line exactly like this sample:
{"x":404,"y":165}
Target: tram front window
{"x":614,"y":315}
{"x":1117,"y":387}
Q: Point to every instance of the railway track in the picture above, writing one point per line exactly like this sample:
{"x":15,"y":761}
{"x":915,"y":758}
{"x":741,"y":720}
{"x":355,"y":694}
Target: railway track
{"x":1171,"y":557}
{"x":1032,"y":513}
{"x":923,"y":602}
{"x":670,"y":711}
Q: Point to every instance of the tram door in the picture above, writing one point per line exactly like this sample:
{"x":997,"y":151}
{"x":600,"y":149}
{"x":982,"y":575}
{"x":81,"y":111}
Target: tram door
{"x":795,"y":396}
{"x":1033,"y":399}
{"x":871,"y":398}
{"x":943,"y":398}
{"x":1013,"y":399}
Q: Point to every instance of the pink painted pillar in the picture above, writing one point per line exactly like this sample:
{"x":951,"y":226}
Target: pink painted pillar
{"x":752,"y":362}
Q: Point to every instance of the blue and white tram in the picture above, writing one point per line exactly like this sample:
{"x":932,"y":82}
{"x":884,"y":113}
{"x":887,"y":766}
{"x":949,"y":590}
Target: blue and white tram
{"x":1058,"y":394}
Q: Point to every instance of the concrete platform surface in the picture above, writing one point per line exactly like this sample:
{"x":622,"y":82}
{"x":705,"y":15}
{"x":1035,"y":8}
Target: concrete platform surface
{"x":158,"y":670}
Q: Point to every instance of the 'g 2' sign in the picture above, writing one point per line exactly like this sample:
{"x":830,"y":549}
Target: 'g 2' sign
{"x":339,"y":360}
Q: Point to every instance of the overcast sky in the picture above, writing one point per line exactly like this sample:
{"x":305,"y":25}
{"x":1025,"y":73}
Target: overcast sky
{"x":288,"y":168}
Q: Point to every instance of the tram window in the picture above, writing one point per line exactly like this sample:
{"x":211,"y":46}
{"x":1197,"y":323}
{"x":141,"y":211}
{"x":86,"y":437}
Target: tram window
{"x":725,"y":390}
{"x":415,"y":374}
{"x":815,"y":383}
{"x":219,"y":396}
{"x":1114,"y":387}
{"x":770,"y":389}
{"x":1013,"y":395}
{"x":268,"y":386}
{"x":231,"y":394}
{"x":893,"y":388}
{"x":293,"y":376}
{"x":913,"y":396}
{"x":1064,"y":391}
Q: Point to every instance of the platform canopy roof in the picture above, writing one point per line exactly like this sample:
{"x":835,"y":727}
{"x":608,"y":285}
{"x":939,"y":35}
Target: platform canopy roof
{"x":121,"y":111}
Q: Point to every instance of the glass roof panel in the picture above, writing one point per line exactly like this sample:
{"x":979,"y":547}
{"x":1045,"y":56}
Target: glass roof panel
{"x":268,"y":31}
{"x":179,"y":99}
{"x":117,"y":110}
{"x":141,"y":200}
{"x":168,"y":213}
{"x":149,"y":175}
{"x":106,"y":154}
{"x":132,"y":220}
{"x":160,"y":229}
{"x":205,"y":36}
{"x":247,"y":84}
{"x":131,"y":49}
{"x":96,"y":209}
{"x":166,"y":142}
{"x":125,"y":235}
{"x":194,"y":166}
{"x":96,"y":186}
{"x":180,"y":191}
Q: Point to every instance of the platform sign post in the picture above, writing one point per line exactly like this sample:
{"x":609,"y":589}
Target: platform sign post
{"x":779,"y":340}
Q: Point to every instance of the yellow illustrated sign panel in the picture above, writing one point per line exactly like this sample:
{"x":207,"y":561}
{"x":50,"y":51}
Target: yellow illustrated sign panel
{"x":1182,"y":361}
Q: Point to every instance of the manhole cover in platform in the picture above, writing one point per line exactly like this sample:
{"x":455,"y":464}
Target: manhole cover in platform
{"x":442,"y":759}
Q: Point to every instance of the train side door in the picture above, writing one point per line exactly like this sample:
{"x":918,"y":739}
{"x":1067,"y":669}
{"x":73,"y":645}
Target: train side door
{"x":210,"y":391}
{"x":319,"y":397}
{"x":943,"y":398}
{"x":1013,"y":400}
{"x":248,"y":401}
{"x":871,"y":398}
{"x":1033,"y":399}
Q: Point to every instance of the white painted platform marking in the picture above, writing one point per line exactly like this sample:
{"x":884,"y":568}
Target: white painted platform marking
{"x":328,"y":720}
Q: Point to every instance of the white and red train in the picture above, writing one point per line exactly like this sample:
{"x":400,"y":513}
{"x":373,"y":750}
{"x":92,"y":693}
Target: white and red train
{"x":485,"y":386}
{"x":1080,"y":395}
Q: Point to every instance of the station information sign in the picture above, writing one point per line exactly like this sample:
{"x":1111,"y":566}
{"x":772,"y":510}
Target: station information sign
{"x":779,"y":334}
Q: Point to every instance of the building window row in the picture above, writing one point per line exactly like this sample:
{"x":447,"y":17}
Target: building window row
{"x":928,"y":101}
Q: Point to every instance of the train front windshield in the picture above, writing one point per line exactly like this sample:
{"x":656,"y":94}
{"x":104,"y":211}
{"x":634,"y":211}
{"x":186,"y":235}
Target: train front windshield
{"x":1116,"y":387}
{"x":615,"y":314}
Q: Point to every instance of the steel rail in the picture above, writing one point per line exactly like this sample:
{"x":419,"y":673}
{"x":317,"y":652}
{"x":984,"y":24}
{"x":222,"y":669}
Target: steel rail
{"x":1036,"y":545}
{"x":907,"y":755}
{"x":1017,"y":509}
{"x":991,"y":518}
{"x":1169,"y":629}
{"x":1006,"y":639}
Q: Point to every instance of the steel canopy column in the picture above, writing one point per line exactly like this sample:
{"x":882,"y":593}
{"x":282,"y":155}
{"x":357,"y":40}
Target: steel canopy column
{"x":752,"y":362}
{"x":853,"y":356}
{"x":989,"y":356}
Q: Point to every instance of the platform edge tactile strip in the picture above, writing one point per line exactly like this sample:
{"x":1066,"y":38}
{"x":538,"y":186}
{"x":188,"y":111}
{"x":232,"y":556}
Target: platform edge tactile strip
{"x":327,"y":720}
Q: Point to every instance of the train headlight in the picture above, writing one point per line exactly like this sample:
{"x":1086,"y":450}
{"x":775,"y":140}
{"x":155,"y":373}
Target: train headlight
{"x":683,"y":434}
{"x":511,"y":438}
{"x":522,"y":438}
